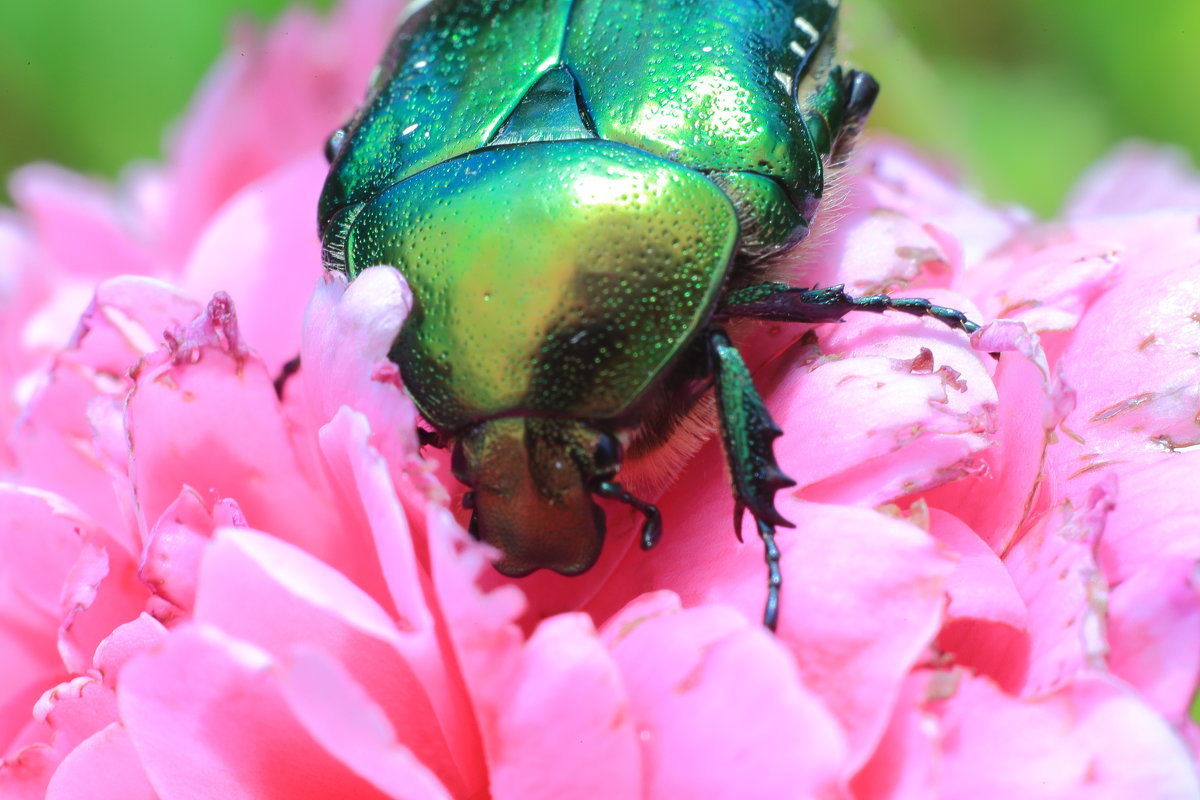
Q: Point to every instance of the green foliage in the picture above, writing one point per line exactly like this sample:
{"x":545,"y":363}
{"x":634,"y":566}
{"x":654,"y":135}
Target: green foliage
{"x":1024,"y":94}
{"x":93,"y":85}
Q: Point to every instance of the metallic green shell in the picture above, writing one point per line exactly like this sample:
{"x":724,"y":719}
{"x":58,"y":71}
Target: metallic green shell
{"x":565,"y":184}
{"x":548,"y":278}
{"x":712,"y":84}
{"x":452,"y":74}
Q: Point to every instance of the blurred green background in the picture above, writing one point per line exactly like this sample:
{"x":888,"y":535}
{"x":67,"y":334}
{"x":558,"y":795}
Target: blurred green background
{"x":1021,"y":95}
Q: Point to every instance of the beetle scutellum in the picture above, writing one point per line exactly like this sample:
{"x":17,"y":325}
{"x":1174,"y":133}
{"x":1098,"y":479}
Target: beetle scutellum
{"x":579,"y":193}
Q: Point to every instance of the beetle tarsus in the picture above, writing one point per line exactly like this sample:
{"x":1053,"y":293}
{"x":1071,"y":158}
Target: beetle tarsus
{"x":779,"y":302}
{"x":774,"y":577}
{"x":652,"y":527}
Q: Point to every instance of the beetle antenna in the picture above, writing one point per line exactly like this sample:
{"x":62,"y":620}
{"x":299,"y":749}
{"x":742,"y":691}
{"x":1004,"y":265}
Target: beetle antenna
{"x":652,"y":527}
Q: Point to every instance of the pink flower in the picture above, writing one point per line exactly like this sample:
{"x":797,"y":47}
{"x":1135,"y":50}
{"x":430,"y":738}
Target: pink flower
{"x":206,"y":591}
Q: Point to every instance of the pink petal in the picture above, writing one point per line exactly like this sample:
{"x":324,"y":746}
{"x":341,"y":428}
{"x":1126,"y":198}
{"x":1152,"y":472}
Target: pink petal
{"x":75,"y":710}
{"x":208,"y":718}
{"x":41,"y":537}
{"x":898,"y":179}
{"x":862,"y":593}
{"x":1154,"y":634}
{"x":272,"y":98}
{"x":720,"y":708}
{"x":892,"y":411}
{"x":171,"y":560}
{"x":907,"y":763}
{"x":79,"y":222}
{"x":348,"y":331}
{"x":1131,"y":360}
{"x":105,"y":764}
{"x":1091,"y":739}
{"x":344,"y":719}
{"x":344,"y":443}
{"x":986,"y":620}
{"x":263,"y":250}
{"x":68,"y":439}
{"x":213,"y":423}
{"x":270,"y":594}
{"x":1136,"y":177}
{"x":1156,"y":516}
{"x":563,"y":723}
{"x":125,"y":642}
{"x":1053,"y":567}
{"x":998,"y":497}
{"x":25,"y":776}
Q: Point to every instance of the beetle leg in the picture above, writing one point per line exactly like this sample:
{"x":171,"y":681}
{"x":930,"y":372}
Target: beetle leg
{"x":652,"y":527}
{"x":779,"y":302}
{"x":747,"y":432}
{"x":861,"y":91}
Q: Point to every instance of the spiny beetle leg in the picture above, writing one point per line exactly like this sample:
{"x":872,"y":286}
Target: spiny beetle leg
{"x":652,"y":527}
{"x":779,"y":302}
{"x":748,"y":433}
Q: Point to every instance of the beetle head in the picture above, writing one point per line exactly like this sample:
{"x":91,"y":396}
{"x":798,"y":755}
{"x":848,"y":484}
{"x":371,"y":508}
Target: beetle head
{"x":531,"y":482}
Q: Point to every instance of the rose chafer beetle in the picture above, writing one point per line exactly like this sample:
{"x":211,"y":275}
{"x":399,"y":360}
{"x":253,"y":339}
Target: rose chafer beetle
{"x":580,"y":193}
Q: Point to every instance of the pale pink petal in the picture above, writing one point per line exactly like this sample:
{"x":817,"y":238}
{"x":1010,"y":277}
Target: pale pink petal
{"x":1089,"y":740}
{"x":41,"y":538}
{"x":125,"y":642}
{"x":399,"y":525}
{"x":563,"y":723}
{"x":868,"y":595}
{"x":720,"y":708}
{"x":1131,"y":359}
{"x":348,"y":331}
{"x":102,"y":766}
{"x":267,"y":593}
{"x":79,"y":223}
{"x":1136,"y":177}
{"x":345,"y":445}
{"x":1046,"y":285}
{"x":223,"y":698}
{"x":68,"y":440}
{"x":1154,"y":634}
{"x":897,"y":178}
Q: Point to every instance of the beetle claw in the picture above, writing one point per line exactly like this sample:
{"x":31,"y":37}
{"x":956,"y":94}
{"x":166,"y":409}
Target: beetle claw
{"x":652,"y":527}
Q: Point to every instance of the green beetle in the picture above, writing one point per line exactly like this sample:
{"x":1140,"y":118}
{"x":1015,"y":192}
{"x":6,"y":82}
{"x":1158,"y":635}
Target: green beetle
{"x":579,"y":193}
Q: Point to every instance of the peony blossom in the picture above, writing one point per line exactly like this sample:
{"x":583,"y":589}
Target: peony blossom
{"x":208,"y":590}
